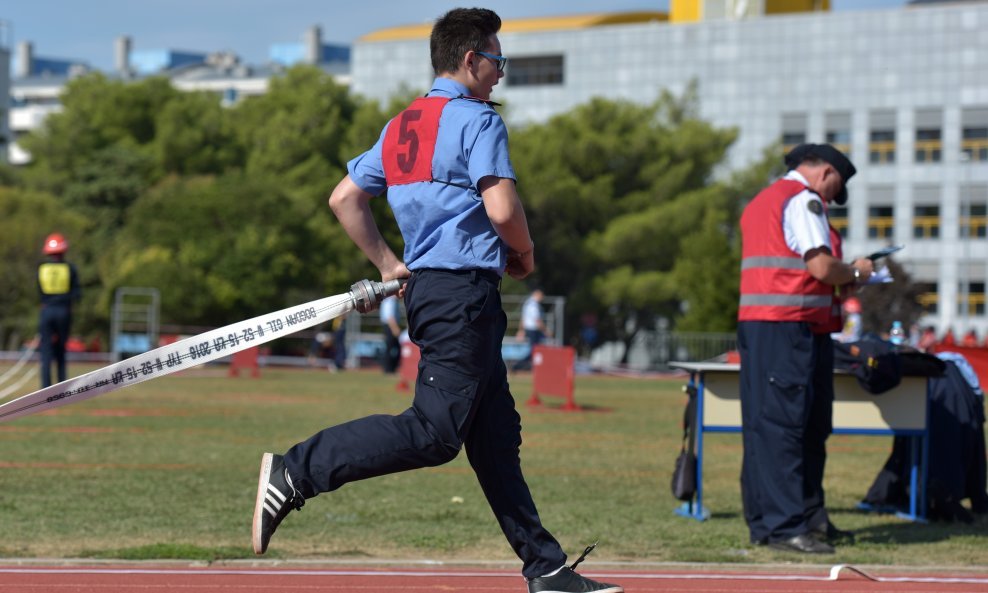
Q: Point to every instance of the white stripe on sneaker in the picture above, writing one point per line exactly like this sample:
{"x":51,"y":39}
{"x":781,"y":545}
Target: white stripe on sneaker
{"x":277,"y":493}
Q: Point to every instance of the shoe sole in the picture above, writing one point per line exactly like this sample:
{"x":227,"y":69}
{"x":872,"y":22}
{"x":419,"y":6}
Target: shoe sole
{"x":262,"y":487}
{"x":607,"y":590}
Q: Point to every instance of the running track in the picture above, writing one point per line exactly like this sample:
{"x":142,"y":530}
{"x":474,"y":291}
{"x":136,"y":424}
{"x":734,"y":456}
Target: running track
{"x":230,"y":578}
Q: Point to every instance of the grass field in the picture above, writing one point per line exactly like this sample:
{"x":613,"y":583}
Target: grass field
{"x":168,"y":469}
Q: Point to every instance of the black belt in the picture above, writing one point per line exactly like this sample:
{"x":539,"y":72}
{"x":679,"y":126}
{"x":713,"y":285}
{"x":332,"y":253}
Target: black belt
{"x":489,"y":275}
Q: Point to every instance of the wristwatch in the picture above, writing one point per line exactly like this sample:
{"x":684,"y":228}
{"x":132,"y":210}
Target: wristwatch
{"x":857,"y":274}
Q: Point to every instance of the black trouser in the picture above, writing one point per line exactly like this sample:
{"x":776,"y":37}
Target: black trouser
{"x":56,"y":321}
{"x":786,"y":409}
{"x":461,"y":398}
{"x":391,"y":355}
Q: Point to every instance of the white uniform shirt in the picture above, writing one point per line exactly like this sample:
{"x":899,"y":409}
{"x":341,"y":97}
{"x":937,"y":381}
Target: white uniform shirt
{"x":804,"y":228}
{"x":531,"y":314}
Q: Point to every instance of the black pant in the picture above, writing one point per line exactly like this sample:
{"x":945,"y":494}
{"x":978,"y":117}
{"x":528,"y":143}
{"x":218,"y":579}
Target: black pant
{"x":391,"y":355}
{"x":56,"y":321}
{"x":786,"y":409}
{"x":461,"y":398}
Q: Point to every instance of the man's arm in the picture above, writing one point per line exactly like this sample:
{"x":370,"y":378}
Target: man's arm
{"x":506,"y":213}
{"x":828,"y":269}
{"x":351,"y":205}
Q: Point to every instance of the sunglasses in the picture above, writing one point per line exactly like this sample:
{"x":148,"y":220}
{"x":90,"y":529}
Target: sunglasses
{"x":500,"y":60}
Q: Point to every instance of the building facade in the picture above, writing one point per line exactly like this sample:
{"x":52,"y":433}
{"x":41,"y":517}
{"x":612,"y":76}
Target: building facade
{"x":904,"y":91}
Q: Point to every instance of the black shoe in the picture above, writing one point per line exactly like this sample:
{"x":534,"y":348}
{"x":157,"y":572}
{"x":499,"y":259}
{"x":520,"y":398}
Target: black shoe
{"x":567,"y":581}
{"x":758,"y":541}
{"x":803,"y":543}
{"x":276,"y":497}
{"x":829,"y":532}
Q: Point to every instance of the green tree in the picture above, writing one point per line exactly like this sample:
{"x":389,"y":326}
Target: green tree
{"x":613,"y":191}
{"x":97,"y":113}
{"x":219,"y":249}
{"x":296,"y":130}
{"x":196,"y":136}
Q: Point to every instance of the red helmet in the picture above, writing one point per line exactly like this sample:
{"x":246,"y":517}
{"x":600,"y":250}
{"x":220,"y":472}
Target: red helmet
{"x":55,"y":243}
{"x":852,"y":305}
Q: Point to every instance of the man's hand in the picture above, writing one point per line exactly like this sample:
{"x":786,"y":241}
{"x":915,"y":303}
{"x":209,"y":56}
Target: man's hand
{"x":520,"y":265}
{"x":397,"y":272}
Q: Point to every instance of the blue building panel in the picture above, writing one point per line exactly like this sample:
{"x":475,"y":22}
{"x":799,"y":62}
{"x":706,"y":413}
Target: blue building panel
{"x":52,"y":67}
{"x":157,"y":60}
{"x":288,"y":54}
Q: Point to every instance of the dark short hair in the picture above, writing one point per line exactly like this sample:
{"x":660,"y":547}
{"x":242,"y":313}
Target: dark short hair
{"x":459,"y":31}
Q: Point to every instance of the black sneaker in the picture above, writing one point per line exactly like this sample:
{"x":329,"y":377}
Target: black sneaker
{"x":276,"y":497}
{"x":567,"y":581}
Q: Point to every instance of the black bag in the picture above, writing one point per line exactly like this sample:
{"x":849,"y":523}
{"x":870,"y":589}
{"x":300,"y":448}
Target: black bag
{"x":684,"y":476}
{"x":874,"y":362}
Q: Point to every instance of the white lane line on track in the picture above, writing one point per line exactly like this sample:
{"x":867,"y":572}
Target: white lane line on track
{"x":833,"y":576}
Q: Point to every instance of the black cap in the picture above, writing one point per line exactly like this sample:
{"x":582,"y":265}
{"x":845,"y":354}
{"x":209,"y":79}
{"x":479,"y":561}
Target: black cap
{"x":825,"y":152}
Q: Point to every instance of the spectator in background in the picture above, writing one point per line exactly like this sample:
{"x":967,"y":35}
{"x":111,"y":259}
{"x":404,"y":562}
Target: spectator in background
{"x":339,"y":342}
{"x":927,"y":339}
{"x":851,"y":332}
{"x":588,"y":333}
{"x":58,"y":285}
{"x":391,"y":330}
{"x":532,"y":327}
{"x":970,"y":339}
{"x":321,"y":347}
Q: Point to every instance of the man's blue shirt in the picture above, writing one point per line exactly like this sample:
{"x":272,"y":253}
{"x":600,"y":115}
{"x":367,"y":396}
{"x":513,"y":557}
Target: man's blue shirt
{"x":445,"y":226}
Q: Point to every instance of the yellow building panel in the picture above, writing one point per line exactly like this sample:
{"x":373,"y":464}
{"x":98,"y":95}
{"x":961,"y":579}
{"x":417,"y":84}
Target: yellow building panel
{"x":784,"y":6}
{"x":540,"y":24}
{"x":685,"y":11}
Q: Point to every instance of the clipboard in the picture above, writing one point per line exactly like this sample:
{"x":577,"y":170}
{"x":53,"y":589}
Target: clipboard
{"x":884,"y":252}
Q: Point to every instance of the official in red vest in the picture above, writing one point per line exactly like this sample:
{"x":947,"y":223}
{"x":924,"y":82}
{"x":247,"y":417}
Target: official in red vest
{"x":791,"y":272}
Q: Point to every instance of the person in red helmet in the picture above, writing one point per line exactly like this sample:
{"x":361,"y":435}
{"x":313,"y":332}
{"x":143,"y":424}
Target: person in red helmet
{"x":58,"y":285}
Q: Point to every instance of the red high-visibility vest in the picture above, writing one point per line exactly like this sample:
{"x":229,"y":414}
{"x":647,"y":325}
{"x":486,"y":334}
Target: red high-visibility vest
{"x":775,"y":284}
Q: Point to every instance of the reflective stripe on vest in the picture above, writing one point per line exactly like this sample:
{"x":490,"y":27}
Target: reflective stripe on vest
{"x":786,"y":300}
{"x":785,"y":263}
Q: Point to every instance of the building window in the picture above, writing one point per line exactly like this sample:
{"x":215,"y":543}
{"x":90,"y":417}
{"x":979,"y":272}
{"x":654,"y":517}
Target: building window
{"x":929,"y":146}
{"x":971,"y":301}
{"x":881,"y":147}
{"x":974,"y":143}
{"x":838,"y":219}
{"x":793,"y":131}
{"x":881,"y":222}
{"x":839,"y":131}
{"x":535,"y":70}
{"x":841,"y":140}
{"x":791,"y":140}
{"x":928,"y":297}
{"x":926,"y":222}
{"x":974,"y":134}
{"x":973,"y":212}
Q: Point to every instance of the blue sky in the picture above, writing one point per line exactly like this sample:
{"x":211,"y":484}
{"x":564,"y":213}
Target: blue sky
{"x":70,"y":29}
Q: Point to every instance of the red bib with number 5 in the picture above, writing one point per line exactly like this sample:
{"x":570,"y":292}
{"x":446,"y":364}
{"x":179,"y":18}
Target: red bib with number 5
{"x":410,"y":142}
